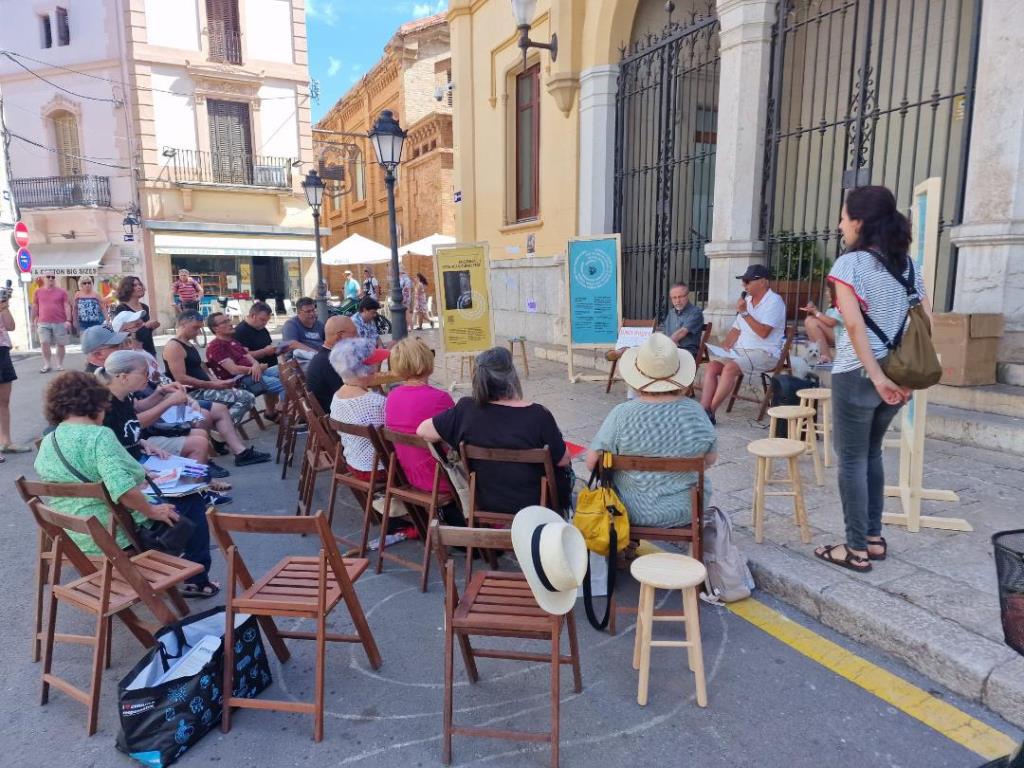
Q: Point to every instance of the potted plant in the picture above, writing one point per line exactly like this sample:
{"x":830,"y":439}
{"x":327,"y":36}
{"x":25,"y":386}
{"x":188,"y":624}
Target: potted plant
{"x":798,"y":271}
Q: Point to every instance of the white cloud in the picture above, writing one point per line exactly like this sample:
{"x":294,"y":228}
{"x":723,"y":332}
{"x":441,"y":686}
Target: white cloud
{"x":322,"y":10}
{"x":419,"y":10}
{"x":333,"y":66}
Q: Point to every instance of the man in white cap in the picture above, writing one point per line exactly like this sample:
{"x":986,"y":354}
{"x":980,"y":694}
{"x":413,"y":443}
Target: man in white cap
{"x":128,"y":322}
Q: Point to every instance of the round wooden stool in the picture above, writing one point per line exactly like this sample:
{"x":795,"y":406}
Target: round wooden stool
{"x":822,"y":426}
{"x":799,"y":426}
{"x":778,"y":448}
{"x":667,"y":571}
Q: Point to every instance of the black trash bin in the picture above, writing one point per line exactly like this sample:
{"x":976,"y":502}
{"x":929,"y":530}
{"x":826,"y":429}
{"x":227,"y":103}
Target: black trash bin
{"x":1009,"y":552}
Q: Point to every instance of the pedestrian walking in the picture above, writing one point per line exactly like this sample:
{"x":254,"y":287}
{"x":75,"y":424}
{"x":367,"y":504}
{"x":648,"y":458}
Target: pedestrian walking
{"x":51,"y":315}
{"x":421,"y":312}
{"x":188,"y":291}
{"x":869,"y":278}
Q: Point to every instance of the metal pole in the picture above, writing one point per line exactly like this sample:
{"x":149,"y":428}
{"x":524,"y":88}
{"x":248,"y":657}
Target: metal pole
{"x":399,"y":329}
{"x":321,"y":288}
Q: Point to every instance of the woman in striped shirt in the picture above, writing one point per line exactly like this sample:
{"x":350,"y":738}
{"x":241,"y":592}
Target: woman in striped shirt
{"x":869,"y":280}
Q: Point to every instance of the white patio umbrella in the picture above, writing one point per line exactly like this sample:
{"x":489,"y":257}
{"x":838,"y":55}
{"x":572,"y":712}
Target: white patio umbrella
{"x":425,"y":247}
{"x":356,"y":249}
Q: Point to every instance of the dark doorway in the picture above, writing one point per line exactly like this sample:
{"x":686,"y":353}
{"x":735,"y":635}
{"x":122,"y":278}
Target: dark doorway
{"x":268,"y":282}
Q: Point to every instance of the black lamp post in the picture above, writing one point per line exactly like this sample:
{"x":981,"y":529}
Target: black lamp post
{"x":387,"y":136}
{"x":524,"y":11}
{"x":131,"y":221}
{"x":314,"y":189}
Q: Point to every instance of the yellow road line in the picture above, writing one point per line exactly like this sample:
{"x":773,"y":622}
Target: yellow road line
{"x":955,"y":725}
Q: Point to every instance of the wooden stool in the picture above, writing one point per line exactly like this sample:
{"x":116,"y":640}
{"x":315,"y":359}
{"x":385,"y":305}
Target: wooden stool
{"x":799,"y":426}
{"x":823,"y":397}
{"x":668,"y":571}
{"x":521,"y":341}
{"x":778,"y":448}
{"x":462,"y":365}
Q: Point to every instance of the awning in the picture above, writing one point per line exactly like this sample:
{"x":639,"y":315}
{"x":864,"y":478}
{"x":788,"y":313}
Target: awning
{"x":68,"y":258}
{"x":425,"y":247}
{"x":222,"y":245}
{"x":356,"y":249}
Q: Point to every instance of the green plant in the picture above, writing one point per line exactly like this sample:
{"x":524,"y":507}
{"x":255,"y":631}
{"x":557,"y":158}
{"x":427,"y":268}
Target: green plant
{"x":798,"y":258}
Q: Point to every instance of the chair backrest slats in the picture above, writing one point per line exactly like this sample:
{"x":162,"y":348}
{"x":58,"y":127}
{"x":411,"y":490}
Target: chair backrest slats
{"x":478,"y":538}
{"x":548,"y":488}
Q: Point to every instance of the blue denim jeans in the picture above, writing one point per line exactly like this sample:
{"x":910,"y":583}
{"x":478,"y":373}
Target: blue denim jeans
{"x":197,"y":550}
{"x":860,"y":419}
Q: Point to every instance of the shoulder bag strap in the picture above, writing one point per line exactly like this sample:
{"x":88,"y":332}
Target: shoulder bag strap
{"x":67,"y":464}
{"x":912,"y":298}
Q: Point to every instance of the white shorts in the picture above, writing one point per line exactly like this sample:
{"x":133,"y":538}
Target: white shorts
{"x":172,"y":445}
{"x":752,"y":361}
{"x":53,"y":333}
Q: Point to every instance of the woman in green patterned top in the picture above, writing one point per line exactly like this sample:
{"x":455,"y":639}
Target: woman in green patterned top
{"x":662,"y":422}
{"x":76,"y":402}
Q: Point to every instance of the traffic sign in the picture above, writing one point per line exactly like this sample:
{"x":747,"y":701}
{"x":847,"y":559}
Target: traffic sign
{"x":21,"y":234}
{"x":24,"y":260}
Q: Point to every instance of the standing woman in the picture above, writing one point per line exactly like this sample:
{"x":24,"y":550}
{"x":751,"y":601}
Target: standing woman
{"x":88,"y":306}
{"x":420,"y":314}
{"x":129,"y":296}
{"x":864,"y":399}
{"x":7,"y":378}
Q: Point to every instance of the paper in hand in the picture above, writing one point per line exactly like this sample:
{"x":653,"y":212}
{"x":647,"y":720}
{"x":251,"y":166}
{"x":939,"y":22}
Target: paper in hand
{"x":728,"y":354}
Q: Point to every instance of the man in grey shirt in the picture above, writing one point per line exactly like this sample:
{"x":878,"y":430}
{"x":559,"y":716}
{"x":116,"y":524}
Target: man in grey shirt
{"x":684,"y":321}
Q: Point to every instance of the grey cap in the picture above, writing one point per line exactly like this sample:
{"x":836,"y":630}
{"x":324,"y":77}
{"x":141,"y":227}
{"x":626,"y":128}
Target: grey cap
{"x":101,"y":336}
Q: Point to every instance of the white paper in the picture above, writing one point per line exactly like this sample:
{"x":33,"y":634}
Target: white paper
{"x":632,"y":337}
{"x":180,"y":413}
{"x":192,"y":663}
{"x":716,"y":351}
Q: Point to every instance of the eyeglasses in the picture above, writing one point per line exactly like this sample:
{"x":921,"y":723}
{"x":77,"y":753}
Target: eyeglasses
{"x":86,"y":282}
{"x":51,"y":277}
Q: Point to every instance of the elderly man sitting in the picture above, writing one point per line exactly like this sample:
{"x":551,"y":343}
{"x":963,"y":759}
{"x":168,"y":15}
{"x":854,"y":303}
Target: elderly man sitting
{"x":756,"y":339}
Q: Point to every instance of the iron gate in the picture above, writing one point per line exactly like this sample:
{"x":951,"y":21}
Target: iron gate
{"x":665,"y":137}
{"x":863,"y":92}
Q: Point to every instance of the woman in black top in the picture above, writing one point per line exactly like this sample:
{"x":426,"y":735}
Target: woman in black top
{"x":497,"y":416}
{"x":129,"y":295}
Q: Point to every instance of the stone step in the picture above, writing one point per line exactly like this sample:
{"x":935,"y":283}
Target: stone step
{"x":993,"y":431}
{"x":1004,"y":399}
{"x":1010,"y":373}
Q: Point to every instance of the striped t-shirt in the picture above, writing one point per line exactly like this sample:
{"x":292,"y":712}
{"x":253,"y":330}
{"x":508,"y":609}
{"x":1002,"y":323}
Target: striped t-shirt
{"x":187,"y":291}
{"x":880,"y":295}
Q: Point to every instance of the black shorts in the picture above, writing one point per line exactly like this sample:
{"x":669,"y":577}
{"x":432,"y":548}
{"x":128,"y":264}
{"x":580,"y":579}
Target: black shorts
{"x":7,"y":373}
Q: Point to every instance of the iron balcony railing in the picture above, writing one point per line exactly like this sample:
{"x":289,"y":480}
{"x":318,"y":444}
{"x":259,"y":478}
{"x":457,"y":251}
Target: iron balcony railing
{"x":195,"y":167}
{"x":62,"y":191}
{"x":225,"y":44}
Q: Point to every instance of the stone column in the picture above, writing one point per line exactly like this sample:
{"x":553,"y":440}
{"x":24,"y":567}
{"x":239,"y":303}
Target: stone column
{"x":460,"y":27}
{"x":990,"y":264}
{"x":597,"y":143}
{"x":745,"y":45}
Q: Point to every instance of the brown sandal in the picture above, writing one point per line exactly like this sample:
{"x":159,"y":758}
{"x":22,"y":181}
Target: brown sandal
{"x":880,"y":543}
{"x":851,"y":562}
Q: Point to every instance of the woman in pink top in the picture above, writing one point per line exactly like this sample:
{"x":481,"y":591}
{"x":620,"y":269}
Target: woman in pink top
{"x":410,"y":404}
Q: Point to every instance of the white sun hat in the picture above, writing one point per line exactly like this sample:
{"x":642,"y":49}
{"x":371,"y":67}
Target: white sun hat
{"x":657,"y":366}
{"x":552,"y":555}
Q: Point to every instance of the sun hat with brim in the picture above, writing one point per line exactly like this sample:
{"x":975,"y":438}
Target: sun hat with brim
{"x":552,"y":555}
{"x":121,"y":319}
{"x":657,"y":366}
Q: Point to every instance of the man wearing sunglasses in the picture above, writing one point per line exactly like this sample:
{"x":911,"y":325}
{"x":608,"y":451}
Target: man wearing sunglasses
{"x":756,"y":339}
{"x":51,"y":315}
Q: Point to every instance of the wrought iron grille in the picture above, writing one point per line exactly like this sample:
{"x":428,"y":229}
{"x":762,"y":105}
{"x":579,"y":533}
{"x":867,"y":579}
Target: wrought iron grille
{"x":62,"y":191}
{"x":665,"y":139}
{"x":862,"y":92}
{"x":194,"y":167}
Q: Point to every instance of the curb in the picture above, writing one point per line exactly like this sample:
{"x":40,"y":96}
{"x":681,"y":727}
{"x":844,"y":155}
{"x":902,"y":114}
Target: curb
{"x":966,"y":663}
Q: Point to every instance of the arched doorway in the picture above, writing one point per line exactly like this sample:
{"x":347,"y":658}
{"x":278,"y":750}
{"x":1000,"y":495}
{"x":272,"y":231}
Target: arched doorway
{"x":665,"y":139}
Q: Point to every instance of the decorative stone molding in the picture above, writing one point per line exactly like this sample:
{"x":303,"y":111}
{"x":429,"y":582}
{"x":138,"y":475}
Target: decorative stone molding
{"x":61,"y":103}
{"x":562,"y":87}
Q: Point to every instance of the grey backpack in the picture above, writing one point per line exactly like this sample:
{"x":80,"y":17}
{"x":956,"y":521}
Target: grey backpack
{"x":729,"y":579}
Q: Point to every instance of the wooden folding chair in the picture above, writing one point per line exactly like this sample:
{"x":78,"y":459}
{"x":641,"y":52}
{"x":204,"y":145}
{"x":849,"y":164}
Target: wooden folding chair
{"x":613,"y":355}
{"x":497,"y":604}
{"x":362,"y":490}
{"x":765,"y":400}
{"x":423,"y":505}
{"x":689,"y":533}
{"x":119,"y":516}
{"x":296,"y":588}
{"x":476,"y":517}
{"x":291,"y":422}
{"x":317,"y":458}
{"x":702,"y":357}
{"x":120,"y":582}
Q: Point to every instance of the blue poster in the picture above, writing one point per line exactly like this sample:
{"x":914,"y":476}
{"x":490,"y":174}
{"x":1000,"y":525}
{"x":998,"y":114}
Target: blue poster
{"x":594,"y":291}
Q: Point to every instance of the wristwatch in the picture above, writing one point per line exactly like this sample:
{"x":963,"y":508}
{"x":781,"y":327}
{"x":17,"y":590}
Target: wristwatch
{"x":744,"y":314}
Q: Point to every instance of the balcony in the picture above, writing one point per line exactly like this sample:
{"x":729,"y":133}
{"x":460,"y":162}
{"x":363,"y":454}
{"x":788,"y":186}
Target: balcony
{"x":62,"y":191}
{"x":225,"y":44}
{"x":190,"y":166}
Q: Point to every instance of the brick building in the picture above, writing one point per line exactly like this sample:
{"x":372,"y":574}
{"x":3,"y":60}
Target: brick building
{"x":413,"y":80}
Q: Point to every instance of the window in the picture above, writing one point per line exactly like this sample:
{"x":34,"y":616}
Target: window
{"x":65,"y":129}
{"x":528,"y":143}
{"x":448,"y":97}
{"x":45,"y":32}
{"x":359,"y":177}
{"x":230,"y":142}
{"x":223,"y":28}
{"x":63,"y":30}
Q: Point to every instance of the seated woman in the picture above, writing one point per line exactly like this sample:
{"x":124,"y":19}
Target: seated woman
{"x":354,"y":402}
{"x":497,"y":416}
{"x":660,"y":422}
{"x":75,"y":403}
{"x":824,"y":329}
{"x":406,"y":408}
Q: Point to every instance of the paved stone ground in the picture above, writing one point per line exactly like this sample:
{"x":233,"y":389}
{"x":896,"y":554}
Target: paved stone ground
{"x":763,"y":695}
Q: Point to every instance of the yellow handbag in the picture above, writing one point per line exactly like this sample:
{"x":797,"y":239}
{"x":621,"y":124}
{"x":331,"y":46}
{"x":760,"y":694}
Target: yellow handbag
{"x":600,"y":514}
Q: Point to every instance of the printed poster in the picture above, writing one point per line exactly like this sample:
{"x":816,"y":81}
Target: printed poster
{"x":465,"y":306}
{"x":593,"y":266}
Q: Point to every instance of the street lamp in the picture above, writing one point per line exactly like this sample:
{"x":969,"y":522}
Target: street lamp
{"x":524,"y":11}
{"x":313,"y":186}
{"x":388,"y":137}
{"x":131,"y":221}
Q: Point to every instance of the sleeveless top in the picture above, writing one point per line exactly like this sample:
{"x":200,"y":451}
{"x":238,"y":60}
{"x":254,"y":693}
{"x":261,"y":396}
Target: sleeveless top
{"x":89,"y":310}
{"x":193,"y":363}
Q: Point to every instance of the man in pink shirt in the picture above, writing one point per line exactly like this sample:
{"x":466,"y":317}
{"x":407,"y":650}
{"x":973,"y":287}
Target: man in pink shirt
{"x":51,"y":315}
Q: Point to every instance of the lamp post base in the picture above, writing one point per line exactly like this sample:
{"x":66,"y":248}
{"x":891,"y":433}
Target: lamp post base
{"x":399,"y":322}
{"x":321,"y":310}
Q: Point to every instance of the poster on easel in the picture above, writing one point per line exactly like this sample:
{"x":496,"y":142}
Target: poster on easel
{"x":464,"y":311}
{"x":924,"y":251}
{"x":593,"y":281}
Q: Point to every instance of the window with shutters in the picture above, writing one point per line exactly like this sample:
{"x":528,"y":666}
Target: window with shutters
{"x":230,"y":142}
{"x":65,"y":129}
{"x":45,"y":31}
{"x":224,"y":31}
{"x":528,"y":143}
{"x":63,"y":28}
{"x":358,"y":176}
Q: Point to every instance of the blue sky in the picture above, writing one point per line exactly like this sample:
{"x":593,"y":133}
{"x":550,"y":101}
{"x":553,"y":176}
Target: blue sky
{"x":347,"y":37}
